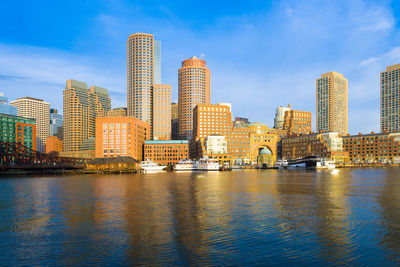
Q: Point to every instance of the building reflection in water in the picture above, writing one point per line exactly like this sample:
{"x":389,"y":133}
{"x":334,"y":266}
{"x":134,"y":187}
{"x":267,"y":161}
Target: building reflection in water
{"x":239,"y":218}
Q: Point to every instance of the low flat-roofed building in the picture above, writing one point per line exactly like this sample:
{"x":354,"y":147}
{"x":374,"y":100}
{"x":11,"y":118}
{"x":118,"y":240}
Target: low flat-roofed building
{"x":323,"y":145}
{"x":373,"y":147}
{"x":166,"y":152}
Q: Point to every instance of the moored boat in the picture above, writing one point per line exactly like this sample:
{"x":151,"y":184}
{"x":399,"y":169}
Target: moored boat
{"x":206,"y":164}
{"x":185,"y":165}
{"x":150,"y":166}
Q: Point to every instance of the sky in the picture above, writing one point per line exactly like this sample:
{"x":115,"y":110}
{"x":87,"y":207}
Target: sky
{"x":261,"y":54}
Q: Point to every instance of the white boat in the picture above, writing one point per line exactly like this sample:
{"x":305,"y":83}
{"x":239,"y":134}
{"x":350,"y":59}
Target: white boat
{"x":326,"y":164}
{"x":185,"y":165}
{"x":281,"y":163}
{"x":149,"y":165}
{"x":206,"y":164}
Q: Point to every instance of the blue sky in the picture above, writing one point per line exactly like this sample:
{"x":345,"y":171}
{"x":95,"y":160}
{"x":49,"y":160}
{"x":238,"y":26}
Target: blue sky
{"x":261,"y":54}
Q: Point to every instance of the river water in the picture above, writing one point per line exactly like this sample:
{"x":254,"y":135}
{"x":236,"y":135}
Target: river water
{"x":252,"y":217}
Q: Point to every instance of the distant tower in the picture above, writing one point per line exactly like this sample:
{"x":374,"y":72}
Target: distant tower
{"x":6,"y":108}
{"x":280,"y":117}
{"x":390,"y":99}
{"x":332,"y":103}
{"x":39,"y":110}
{"x":161,"y":112}
{"x":81,"y":108}
{"x":194,"y":89}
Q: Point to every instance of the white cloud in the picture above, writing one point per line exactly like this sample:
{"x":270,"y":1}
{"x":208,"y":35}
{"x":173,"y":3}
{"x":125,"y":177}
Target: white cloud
{"x":42,"y":73}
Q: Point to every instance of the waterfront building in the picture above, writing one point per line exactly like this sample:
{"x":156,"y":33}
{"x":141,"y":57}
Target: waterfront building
{"x":56,"y":121}
{"x":323,"y":145}
{"x":6,"y":108}
{"x":390,"y":99}
{"x":121,"y":136}
{"x":117,"y":112}
{"x":193,"y":89}
{"x":174,"y":121}
{"x":280,"y":117}
{"x":161,"y":112}
{"x":86,"y":151}
{"x":38,"y":109}
{"x":166,"y":152}
{"x":81,"y":108}
{"x":18,"y":129}
{"x":53,"y":144}
{"x":255,"y":144}
{"x":373,"y":147}
{"x":297,"y":122}
{"x":331,"y":103}
{"x":116,"y":164}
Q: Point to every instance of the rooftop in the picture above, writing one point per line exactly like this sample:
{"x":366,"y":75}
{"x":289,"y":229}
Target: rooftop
{"x":166,"y":142}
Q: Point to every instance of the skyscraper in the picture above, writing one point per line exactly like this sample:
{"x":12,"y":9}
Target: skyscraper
{"x":157,"y":62}
{"x":194,"y":89}
{"x":161,"y":112}
{"x":140,"y":68}
{"x":81,"y":108}
{"x":280,"y":117}
{"x":55,"y":123}
{"x":390,"y":99}
{"x":29,"y":107}
{"x":332,"y":103}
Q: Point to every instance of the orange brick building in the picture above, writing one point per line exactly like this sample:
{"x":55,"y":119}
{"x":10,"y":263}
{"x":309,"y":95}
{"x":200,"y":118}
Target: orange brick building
{"x":324,"y":145}
{"x":373,"y":148}
{"x":53,"y":144}
{"x":297,"y":122}
{"x":121,"y":136}
{"x":166,"y":152}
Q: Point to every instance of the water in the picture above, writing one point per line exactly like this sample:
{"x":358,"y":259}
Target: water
{"x":271,"y":217}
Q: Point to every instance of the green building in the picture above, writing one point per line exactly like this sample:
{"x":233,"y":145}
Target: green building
{"x":18,"y":129}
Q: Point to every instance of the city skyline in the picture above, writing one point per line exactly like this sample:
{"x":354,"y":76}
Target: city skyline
{"x":272,"y":70}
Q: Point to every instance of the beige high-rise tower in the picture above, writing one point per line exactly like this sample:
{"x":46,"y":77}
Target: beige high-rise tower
{"x":39,"y":110}
{"x":194,"y":89}
{"x":390,"y":99}
{"x":161,"y":112}
{"x":332,"y":103}
{"x":81,"y":108}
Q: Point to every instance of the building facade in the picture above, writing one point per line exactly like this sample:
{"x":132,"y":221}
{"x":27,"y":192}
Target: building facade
{"x":6,"y":108}
{"x":373,"y":148}
{"x":174,"y":121}
{"x":331,"y":103}
{"x":161,"y":112}
{"x":193,"y":89}
{"x":121,"y":136}
{"x":140,"y":75}
{"x":323,"y":145}
{"x":166,"y":152}
{"x":390,"y":99}
{"x":38,"y":109}
{"x":53,"y":144}
{"x":18,"y":129}
{"x":117,"y":112}
{"x":297,"y":122}
{"x":81,"y":108}
{"x":56,"y":122}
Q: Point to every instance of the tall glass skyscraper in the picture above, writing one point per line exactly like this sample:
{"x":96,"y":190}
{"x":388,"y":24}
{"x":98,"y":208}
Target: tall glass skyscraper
{"x":390,"y":99}
{"x":55,"y":122}
{"x":157,"y":62}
